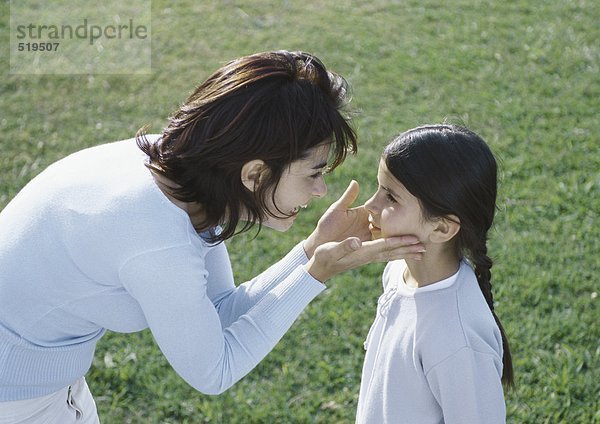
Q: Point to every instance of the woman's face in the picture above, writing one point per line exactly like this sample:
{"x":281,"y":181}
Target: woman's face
{"x":299,"y":184}
{"x":393,"y":210}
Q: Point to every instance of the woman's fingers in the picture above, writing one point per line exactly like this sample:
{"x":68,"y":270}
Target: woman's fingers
{"x":390,"y":249}
{"x":332,"y":258}
{"x":349,"y":196}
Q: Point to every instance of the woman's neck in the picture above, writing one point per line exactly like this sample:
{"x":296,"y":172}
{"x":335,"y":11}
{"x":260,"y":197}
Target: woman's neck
{"x":438,"y":263}
{"x":194,"y":210}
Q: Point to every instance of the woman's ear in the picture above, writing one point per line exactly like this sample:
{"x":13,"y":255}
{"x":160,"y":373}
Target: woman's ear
{"x":445,"y":229}
{"x":252,"y":173}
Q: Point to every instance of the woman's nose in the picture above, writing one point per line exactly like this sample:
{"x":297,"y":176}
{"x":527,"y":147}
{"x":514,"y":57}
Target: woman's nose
{"x":320,"y":187}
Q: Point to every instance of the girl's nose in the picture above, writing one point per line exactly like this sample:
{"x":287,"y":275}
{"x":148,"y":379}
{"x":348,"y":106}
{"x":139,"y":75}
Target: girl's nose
{"x":371,"y":205}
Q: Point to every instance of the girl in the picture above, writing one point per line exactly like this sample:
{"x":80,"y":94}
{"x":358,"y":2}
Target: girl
{"x":436,"y":352}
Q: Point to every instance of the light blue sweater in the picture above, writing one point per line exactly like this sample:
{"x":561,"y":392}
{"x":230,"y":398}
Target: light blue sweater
{"x":92,"y":244}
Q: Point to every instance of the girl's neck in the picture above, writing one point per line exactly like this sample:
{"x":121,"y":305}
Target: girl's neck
{"x":437,"y":265}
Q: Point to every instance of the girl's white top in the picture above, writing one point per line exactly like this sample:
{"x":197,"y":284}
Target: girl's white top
{"x":433,"y":354}
{"x":92,"y":244}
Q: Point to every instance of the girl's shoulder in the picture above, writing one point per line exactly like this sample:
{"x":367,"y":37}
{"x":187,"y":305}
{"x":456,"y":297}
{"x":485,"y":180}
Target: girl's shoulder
{"x":457,"y":318}
{"x":392,"y":272}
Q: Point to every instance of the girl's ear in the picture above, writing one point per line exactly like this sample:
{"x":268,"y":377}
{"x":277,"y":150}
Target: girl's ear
{"x":252,"y":173}
{"x":445,"y":229}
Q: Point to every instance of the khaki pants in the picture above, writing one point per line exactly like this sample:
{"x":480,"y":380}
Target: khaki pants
{"x":73,"y":404}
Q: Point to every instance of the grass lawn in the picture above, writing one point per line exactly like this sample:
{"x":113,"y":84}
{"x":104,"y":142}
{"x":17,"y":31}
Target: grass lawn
{"x":523,"y":74}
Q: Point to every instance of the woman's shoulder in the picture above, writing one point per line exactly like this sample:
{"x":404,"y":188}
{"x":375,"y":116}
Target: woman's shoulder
{"x":109,"y":190}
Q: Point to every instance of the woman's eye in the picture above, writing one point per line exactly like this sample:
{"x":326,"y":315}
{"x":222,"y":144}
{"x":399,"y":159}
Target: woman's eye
{"x":390,"y":198}
{"x":316,"y":175}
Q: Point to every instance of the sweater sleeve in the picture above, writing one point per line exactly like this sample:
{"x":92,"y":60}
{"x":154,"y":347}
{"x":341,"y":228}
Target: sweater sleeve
{"x":231,"y":301}
{"x":170,"y":286}
{"x":468,"y":389}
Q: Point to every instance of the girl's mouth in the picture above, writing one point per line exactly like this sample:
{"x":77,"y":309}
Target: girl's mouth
{"x":373,"y":227}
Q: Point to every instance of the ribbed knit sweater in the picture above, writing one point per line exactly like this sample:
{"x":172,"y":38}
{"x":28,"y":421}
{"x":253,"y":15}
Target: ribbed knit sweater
{"x":92,"y":244}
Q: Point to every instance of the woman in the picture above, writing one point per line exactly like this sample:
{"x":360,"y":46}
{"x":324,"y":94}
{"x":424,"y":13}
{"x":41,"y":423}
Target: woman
{"x":128,"y":235}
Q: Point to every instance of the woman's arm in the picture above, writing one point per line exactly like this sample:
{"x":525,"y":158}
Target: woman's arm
{"x":231,"y":301}
{"x":170,"y":286}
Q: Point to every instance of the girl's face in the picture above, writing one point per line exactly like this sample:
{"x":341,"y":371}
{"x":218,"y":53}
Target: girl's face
{"x":299,"y":184}
{"x":393,"y":211}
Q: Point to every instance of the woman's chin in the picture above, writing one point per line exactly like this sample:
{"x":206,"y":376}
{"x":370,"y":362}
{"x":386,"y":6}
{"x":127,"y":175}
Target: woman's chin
{"x":281,"y":225}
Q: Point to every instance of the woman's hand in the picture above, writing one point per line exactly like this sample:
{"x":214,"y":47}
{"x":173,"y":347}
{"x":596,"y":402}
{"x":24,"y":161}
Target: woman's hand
{"x":342,"y":240}
{"x":340,"y":222}
{"x":332,"y":258}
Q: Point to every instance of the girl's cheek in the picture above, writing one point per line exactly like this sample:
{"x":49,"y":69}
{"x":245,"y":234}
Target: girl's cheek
{"x":387,"y":219}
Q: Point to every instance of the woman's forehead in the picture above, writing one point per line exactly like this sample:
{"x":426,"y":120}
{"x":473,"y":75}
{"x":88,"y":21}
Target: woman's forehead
{"x":315,"y":157}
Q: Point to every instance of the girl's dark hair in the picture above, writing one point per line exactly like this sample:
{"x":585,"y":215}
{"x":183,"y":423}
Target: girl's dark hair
{"x":272,"y":106}
{"x":452,"y":171}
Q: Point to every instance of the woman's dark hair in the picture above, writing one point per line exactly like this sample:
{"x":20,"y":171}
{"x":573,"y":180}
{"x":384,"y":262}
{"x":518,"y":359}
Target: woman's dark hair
{"x":272,"y":106}
{"x":452,"y":171}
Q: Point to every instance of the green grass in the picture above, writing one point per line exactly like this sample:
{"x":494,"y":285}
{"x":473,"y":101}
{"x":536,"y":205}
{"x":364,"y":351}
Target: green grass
{"x":523,"y":74}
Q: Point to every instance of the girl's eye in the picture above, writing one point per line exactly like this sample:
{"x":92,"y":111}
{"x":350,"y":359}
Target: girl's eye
{"x":390,"y":198}
{"x":316,"y":175}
